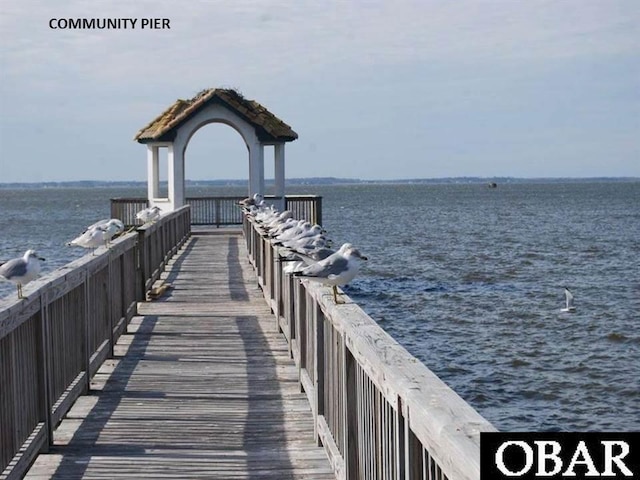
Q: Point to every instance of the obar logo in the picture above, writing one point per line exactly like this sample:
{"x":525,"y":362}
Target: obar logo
{"x":559,"y":456}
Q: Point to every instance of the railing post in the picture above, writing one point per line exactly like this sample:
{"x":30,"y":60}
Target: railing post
{"x":301,"y":326}
{"x":142,"y":262}
{"x":87,"y":332}
{"x":110,"y":305}
{"x":401,"y":442}
{"x":318,"y":203}
{"x":44,"y":360}
{"x":123,"y":294}
{"x":318,"y":377}
{"x":350,"y":412}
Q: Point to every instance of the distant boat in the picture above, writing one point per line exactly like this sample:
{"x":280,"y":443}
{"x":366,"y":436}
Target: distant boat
{"x":492,"y":185}
{"x":569,"y":299}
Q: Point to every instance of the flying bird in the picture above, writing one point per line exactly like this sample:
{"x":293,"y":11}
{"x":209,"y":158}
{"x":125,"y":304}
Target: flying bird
{"x":569,"y":301}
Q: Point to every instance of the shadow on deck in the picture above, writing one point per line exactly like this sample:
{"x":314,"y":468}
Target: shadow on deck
{"x":202,"y":386}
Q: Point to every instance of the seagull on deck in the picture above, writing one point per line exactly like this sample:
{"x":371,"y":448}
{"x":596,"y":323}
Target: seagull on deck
{"x":337,"y":269}
{"x":569,"y":301}
{"x":21,"y":270}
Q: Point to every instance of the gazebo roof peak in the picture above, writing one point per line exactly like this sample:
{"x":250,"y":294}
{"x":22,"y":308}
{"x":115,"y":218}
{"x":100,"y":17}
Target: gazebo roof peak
{"x":268,"y":127}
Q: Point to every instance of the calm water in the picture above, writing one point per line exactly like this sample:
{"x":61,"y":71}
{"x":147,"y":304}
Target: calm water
{"x":468,"y":279}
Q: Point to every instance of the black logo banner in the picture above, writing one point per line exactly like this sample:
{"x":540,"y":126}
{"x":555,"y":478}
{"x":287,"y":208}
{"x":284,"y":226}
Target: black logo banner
{"x":559,"y":455}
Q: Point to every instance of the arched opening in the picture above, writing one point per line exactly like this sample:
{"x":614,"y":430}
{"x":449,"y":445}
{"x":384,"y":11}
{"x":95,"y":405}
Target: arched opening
{"x":216,"y":161}
{"x":174,"y":128}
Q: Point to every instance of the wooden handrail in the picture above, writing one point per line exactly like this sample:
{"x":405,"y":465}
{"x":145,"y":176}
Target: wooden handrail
{"x":379,"y":412}
{"x":220,"y":210}
{"x":54,"y":340}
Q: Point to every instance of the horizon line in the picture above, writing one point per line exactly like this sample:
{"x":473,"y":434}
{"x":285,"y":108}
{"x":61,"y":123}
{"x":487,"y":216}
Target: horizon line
{"x":340,"y":179}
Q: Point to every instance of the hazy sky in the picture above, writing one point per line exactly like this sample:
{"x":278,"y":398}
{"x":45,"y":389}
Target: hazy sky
{"x":376,"y":89}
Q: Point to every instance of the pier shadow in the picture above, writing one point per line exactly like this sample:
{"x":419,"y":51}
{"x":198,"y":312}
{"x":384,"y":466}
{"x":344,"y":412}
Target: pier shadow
{"x":237,"y":288}
{"x":82,"y":446}
{"x":179,"y":260}
{"x":265,"y":435}
{"x":110,"y":444}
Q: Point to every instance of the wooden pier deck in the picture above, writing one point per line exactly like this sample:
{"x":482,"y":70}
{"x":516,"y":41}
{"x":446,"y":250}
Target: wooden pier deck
{"x":201,"y":386}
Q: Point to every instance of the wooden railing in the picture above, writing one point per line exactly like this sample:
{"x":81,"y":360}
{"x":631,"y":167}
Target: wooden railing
{"x":220,"y":211}
{"x":54,"y":340}
{"x":126,"y":208}
{"x":308,"y":207}
{"x":379,"y":412}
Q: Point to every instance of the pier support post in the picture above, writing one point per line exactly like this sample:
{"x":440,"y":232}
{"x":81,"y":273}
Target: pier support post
{"x":278,"y":175}
{"x":256,"y":169}
{"x":153,"y":172}
{"x":175,"y":176}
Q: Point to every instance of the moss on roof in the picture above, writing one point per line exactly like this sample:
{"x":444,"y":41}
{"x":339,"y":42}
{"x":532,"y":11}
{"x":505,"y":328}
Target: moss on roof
{"x":268,"y":126}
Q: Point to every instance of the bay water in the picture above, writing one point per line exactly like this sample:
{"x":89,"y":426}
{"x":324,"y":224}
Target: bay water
{"x":468,"y":278}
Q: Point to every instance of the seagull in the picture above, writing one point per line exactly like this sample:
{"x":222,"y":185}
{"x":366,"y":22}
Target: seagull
{"x":21,"y":270}
{"x":98,"y":234}
{"x":111,"y":226}
{"x":337,"y":269}
{"x":256,"y":200}
{"x":90,"y":238}
{"x":569,"y":299}
{"x":148,"y":215}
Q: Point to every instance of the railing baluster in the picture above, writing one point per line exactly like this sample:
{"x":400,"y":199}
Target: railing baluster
{"x":369,"y":408}
{"x":218,"y":210}
{"x":48,"y":340}
{"x":45,"y":373}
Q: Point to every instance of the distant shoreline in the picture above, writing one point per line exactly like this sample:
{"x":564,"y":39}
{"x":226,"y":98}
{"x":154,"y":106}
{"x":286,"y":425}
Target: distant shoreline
{"x":321,"y":181}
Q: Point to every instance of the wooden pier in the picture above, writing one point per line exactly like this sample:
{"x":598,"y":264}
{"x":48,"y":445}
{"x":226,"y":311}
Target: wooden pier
{"x":210,"y":380}
{"x":201,"y":387}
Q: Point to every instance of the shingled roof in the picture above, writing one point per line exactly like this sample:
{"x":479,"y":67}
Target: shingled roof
{"x":268,"y":127}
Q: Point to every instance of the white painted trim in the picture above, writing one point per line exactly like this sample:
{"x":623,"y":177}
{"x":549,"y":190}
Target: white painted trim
{"x":211,"y":113}
{"x":278,"y":173}
{"x":153,"y":175}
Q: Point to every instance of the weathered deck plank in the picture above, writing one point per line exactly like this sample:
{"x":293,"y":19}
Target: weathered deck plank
{"x":201,"y":387}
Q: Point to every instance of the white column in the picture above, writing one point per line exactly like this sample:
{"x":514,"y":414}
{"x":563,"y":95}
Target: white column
{"x":278,"y":174}
{"x":175,"y":177}
{"x":256,"y":169}
{"x":153,"y":174}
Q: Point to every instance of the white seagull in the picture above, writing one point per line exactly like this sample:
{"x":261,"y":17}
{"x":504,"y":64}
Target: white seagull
{"x":21,"y":270}
{"x":100,"y":233}
{"x":569,"y":299}
{"x":149,"y":215}
{"x":337,"y":269}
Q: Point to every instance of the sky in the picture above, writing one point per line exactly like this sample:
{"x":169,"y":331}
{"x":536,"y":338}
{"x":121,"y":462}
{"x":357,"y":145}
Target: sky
{"x":375,"y":89}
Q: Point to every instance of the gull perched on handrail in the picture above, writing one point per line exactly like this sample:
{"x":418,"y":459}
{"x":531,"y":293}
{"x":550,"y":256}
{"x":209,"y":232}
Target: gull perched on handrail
{"x":100,"y":233}
{"x":256,"y":200}
{"x":337,"y":269}
{"x":149,"y":215}
{"x":21,"y":270}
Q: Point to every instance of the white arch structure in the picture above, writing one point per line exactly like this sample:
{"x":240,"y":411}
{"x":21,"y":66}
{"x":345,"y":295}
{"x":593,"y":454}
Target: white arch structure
{"x":174,"y":128}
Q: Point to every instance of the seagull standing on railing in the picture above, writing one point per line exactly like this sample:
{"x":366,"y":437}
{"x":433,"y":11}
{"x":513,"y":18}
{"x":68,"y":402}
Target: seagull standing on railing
{"x":100,"y":233}
{"x":112,"y":227}
{"x":337,"y":269}
{"x":256,"y":200}
{"x":21,"y":270}
{"x":149,"y":215}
